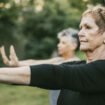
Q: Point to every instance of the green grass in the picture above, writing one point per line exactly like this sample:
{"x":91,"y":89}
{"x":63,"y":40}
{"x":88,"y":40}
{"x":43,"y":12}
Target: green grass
{"x":23,"y":95}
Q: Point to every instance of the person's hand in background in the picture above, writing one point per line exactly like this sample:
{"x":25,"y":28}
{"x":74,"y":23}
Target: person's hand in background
{"x":13,"y":59}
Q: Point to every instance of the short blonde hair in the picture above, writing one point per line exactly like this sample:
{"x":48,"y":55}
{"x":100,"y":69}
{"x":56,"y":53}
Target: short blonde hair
{"x":98,"y":13}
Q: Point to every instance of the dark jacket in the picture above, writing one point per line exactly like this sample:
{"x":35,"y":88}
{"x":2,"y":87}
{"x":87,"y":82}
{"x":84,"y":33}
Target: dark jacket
{"x":81,"y":83}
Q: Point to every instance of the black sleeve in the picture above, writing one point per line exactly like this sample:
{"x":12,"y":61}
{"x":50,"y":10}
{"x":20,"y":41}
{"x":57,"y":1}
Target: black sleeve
{"x":83,"y":77}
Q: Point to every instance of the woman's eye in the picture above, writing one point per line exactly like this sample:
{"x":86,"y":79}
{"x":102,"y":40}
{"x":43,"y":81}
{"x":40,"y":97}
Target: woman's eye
{"x":88,"y":27}
{"x":63,"y":42}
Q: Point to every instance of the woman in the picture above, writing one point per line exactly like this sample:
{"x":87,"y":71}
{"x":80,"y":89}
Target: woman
{"x":85,"y":81}
{"x":68,"y":44}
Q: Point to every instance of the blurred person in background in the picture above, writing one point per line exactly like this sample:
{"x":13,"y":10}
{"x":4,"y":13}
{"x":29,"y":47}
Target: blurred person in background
{"x":67,"y":46}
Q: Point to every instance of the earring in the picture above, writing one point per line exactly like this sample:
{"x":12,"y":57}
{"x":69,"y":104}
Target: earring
{"x":104,"y":41}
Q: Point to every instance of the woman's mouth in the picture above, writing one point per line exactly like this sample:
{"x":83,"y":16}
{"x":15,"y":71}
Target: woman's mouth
{"x":83,"y":40}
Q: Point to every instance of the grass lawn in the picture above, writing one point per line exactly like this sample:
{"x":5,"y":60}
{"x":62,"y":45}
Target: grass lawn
{"x":23,"y":95}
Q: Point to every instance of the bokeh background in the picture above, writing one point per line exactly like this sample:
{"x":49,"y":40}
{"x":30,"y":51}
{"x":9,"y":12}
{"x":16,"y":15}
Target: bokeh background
{"x":32,"y":27}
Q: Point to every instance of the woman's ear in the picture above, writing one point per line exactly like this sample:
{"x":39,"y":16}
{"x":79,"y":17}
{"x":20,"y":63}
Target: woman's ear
{"x":104,"y":41}
{"x":104,"y":35}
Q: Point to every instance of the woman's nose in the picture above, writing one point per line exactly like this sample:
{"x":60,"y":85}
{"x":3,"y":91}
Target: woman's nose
{"x":81,"y":33}
{"x":58,"y":45}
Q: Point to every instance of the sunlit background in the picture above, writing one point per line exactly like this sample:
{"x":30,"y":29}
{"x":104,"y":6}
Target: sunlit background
{"x":32,"y":27}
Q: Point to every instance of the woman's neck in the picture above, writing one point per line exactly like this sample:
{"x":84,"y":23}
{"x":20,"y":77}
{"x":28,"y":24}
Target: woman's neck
{"x":97,"y":54}
{"x":68,"y":55}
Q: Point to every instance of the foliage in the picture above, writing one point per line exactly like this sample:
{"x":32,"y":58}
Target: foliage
{"x":10,"y":32}
{"x":42,"y":27}
{"x":33,"y":32}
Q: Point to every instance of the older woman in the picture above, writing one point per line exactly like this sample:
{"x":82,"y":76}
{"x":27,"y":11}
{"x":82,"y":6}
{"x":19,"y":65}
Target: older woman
{"x":68,"y":44}
{"x":85,"y":81}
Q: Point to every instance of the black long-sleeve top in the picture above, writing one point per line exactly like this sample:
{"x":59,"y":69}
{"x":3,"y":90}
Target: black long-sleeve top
{"x":81,"y":83}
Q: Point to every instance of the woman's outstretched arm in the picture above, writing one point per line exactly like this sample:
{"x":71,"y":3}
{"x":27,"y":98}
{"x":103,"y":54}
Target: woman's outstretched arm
{"x":77,"y":77}
{"x":18,"y":75}
{"x":15,"y":62}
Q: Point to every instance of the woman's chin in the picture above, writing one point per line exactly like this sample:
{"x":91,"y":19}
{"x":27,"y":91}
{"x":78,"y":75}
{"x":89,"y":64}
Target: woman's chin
{"x":83,"y":48}
{"x":60,"y":53}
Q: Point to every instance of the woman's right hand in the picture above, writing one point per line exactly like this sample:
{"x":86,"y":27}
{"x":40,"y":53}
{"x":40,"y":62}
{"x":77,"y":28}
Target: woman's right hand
{"x":13,"y":57}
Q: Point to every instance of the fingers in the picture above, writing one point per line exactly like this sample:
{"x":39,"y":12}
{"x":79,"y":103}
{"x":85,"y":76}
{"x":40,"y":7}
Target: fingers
{"x":4,"y":57}
{"x":13,"y":53}
{"x":13,"y":56}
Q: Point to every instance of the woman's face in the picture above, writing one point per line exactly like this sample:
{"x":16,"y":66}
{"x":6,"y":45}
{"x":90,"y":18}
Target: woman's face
{"x":89,"y":35}
{"x":65,"y":45}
